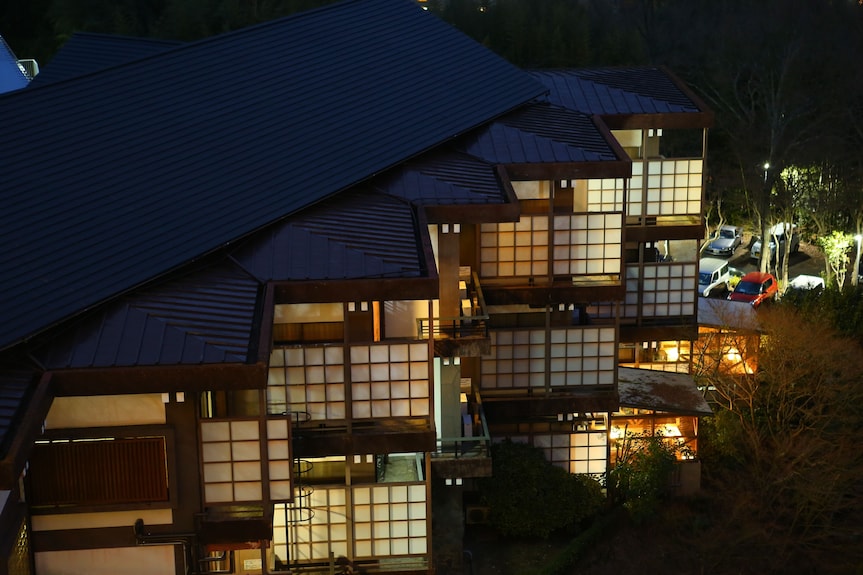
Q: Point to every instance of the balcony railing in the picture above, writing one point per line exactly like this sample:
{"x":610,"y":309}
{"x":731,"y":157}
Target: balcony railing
{"x":475,"y":443}
{"x":472,"y":322}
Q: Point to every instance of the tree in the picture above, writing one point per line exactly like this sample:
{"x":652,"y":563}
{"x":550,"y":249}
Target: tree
{"x":529,"y":497}
{"x":781,"y":451}
{"x":775,"y":73}
{"x":836,"y":247}
{"x":640,"y":478}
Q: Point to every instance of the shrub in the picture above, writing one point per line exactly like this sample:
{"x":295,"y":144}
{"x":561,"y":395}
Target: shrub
{"x":529,"y":497}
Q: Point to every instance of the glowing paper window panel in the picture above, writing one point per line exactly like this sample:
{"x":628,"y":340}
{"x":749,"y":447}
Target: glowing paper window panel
{"x":674,"y":187}
{"x":308,"y":380}
{"x":390,"y":520}
{"x":231,"y":457}
{"x":589,"y":452}
{"x":518,"y":249}
{"x":605,"y":195}
{"x":390,"y":380}
{"x":279,"y":456}
{"x":587,"y":244}
{"x":578,"y":356}
{"x":668,"y":290}
{"x":580,"y":452}
{"x":311,"y":533}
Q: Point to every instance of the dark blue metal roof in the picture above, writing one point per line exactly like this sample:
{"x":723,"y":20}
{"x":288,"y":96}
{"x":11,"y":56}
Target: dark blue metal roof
{"x":358,"y":235}
{"x":540,"y":133}
{"x":444,"y":178}
{"x":203,"y":317}
{"x":609,"y":91}
{"x":86,"y":52}
{"x":117,"y":177}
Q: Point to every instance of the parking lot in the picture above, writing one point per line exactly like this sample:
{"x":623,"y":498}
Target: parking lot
{"x":807,"y":261}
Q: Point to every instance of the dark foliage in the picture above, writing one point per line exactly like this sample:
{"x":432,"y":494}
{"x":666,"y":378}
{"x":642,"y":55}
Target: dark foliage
{"x":529,"y":497}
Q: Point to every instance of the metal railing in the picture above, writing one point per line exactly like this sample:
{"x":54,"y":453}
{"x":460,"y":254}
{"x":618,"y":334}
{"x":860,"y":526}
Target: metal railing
{"x":476,"y":445}
{"x":462,"y":326}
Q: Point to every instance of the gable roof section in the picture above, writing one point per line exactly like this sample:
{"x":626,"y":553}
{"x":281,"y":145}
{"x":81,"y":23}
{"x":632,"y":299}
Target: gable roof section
{"x":203,"y":317}
{"x":538,"y":134}
{"x":86,"y":52}
{"x":444,"y":178}
{"x":642,"y":91}
{"x":543,"y":134}
{"x":354,"y":236}
{"x":117,"y":177}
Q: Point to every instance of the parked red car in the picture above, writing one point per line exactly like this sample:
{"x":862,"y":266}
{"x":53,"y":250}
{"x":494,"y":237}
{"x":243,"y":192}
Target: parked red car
{"x":755,"y":288}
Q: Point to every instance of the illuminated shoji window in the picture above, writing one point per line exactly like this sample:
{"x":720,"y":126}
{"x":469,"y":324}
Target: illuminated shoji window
{"x":667,"y":290}
{"x":674,"y":187}
{"x":390,"y":520}
{"x":308,"y":380}
{"x":581,"y":452}
{"x":390,"y":380}
{"x":279,"y":458}
{"x":577,"y":357}
{"x":231,"y":454}
{"x":635,"y":194}
{"x":605,"y":195}
{"x":587,"y":244}
{"x":517,"y":249}
{"x":582,"y":357}
{"x":312,"y":534}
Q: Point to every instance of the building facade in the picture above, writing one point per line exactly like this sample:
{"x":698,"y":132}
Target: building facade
{"x":273,"y":323}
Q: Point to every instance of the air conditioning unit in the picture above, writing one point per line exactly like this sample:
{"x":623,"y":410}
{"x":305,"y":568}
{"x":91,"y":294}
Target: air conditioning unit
{"x":30,"y":67}
{"x":476,"y":514}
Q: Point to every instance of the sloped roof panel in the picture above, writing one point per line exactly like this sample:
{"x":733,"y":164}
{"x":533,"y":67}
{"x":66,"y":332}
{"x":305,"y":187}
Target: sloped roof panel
{"x":116,"y":177}
{"x":355,"y":236}
{"x":539,"y":134}
{"x":86,"y":52}
{"x":204,"y":317}
{"x":616,"y":91}
{"x":443,"y":178}
{"x":660,"y":390}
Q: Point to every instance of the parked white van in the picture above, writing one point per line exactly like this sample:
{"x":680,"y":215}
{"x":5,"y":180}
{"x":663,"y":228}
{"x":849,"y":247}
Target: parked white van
{"x":713,"y":273}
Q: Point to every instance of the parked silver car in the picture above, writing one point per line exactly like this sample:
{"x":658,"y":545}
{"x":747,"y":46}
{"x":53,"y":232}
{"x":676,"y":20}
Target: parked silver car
{"x":724,"y":241}
{"x":778,"y":236}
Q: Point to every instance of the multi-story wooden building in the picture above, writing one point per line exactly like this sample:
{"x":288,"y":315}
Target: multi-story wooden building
{"x":269,"y":297}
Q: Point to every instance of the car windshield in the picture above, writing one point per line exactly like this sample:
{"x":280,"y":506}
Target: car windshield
{"x":704,"y":278}
{"x":748,"y":288}
{"x":729,"y":234}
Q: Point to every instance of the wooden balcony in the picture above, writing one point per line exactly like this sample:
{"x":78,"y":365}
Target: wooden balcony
{"x":463,"y":336}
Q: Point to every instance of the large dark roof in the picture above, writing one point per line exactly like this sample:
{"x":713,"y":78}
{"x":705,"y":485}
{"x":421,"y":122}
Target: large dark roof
{"x":86,"y":52}
{"x":116,"y":177}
